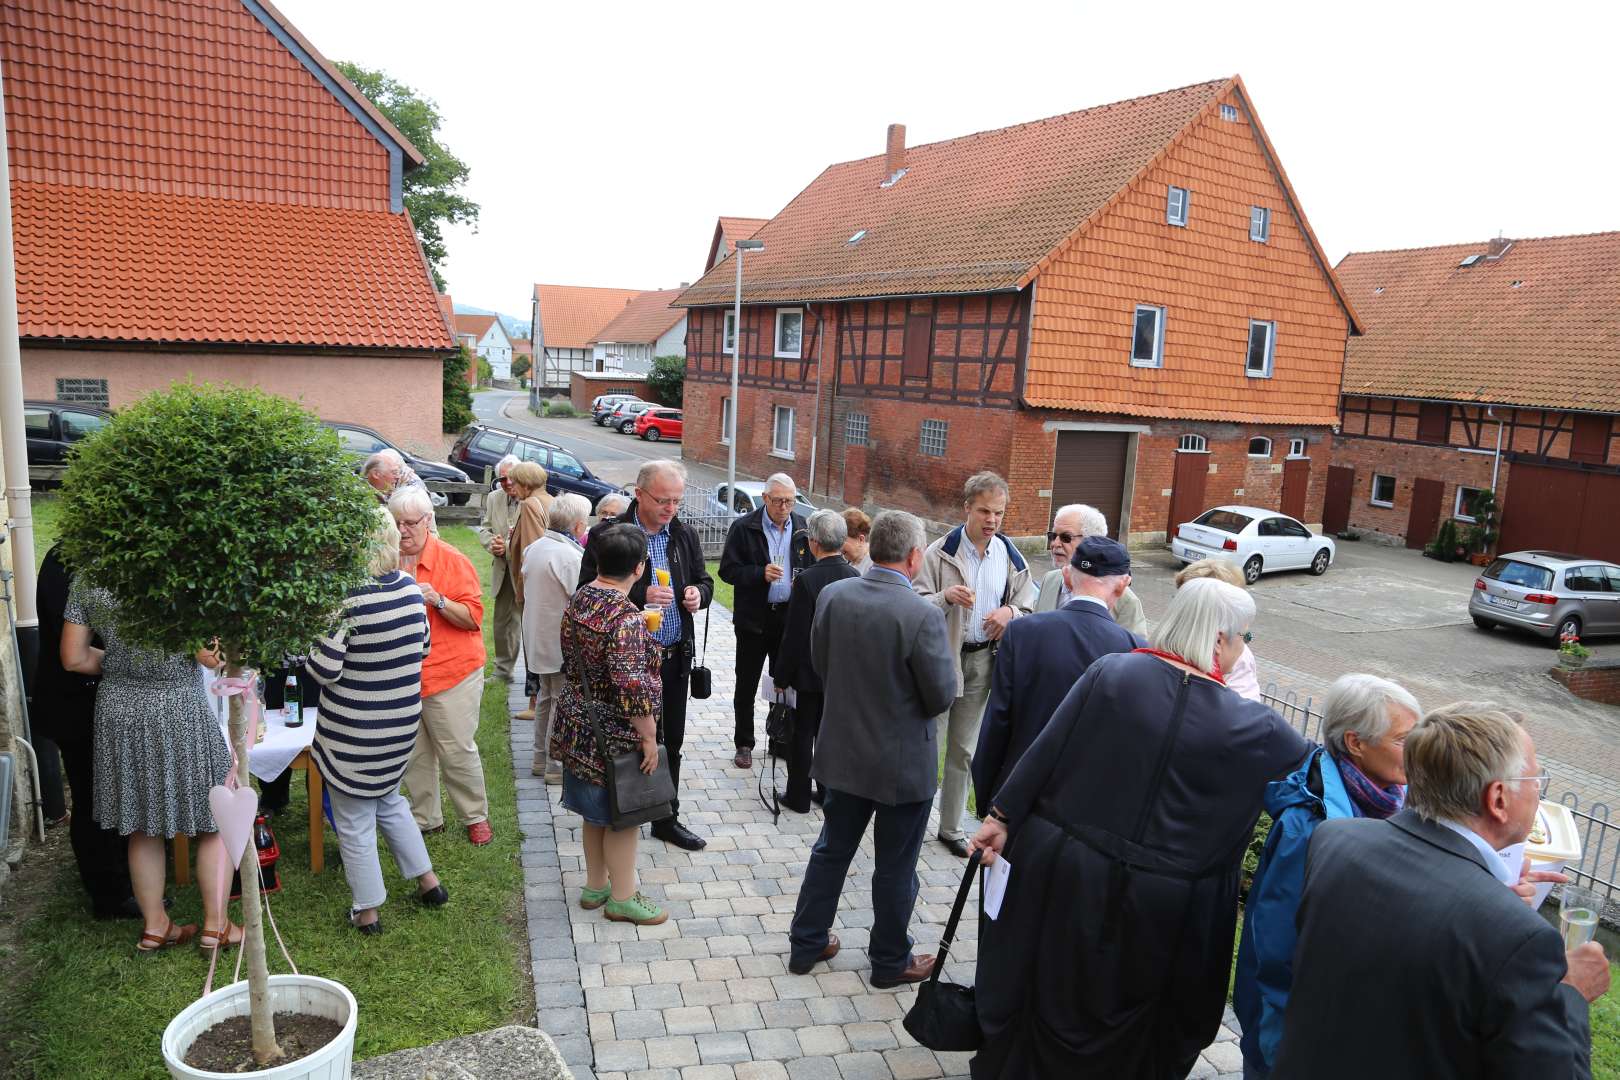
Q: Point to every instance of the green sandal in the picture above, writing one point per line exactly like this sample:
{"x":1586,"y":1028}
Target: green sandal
{"x":590,"y":899}
{"x":638,"y":909}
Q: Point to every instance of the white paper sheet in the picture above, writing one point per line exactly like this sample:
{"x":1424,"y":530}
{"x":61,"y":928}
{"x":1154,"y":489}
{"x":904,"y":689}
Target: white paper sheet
{"x":995,"y":885}
{"x":767,"y":692}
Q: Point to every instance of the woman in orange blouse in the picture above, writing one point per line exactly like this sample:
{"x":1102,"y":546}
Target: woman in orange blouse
{"x":452,"y":673}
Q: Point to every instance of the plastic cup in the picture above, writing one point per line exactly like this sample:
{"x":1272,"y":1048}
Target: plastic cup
{"x":1578,"y":914}
{"x":661,"y":577}
{"x":654,"y":616}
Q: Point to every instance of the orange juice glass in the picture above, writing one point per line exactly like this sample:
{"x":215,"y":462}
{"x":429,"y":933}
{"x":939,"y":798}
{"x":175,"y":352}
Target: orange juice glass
{"x":661,"y":576}
{"x":654,"y":616}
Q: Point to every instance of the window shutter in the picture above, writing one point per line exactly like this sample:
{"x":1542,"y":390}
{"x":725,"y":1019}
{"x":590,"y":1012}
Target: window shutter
{"x":919,"y":346}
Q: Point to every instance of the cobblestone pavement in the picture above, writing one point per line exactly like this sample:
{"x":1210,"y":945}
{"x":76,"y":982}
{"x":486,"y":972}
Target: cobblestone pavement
{"x":707,"y":995}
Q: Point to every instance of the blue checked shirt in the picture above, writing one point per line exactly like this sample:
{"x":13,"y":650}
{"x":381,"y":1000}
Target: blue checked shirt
{"x":779,"y":542}
{"x":658,"y":555}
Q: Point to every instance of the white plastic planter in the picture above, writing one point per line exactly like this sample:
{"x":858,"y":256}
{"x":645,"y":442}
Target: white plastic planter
{"x":288,"y":993}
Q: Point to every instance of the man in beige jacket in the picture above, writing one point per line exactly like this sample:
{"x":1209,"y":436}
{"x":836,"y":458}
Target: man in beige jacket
{"x":1070,"y":525}
{"x":500,"y":514}
{"x":981,"y":583}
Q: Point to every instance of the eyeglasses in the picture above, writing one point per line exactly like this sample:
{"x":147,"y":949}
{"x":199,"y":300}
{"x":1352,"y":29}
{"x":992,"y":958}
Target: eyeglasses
{"x":1067,"y":538}
{"x":414,"y":523}
{"x":784,"y":500}
{"x":1542,"y":782}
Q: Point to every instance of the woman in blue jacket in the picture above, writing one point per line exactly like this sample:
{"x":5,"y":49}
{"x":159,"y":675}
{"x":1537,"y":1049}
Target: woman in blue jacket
{"x":1361,"y":772}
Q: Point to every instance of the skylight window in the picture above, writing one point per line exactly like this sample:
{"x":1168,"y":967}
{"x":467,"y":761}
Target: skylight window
{"x":856,"y":238}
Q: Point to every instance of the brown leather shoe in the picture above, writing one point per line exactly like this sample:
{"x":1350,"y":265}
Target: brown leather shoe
{"x":826,"y":954}
{"x":921,"y":967}
{"x":744,"y":759}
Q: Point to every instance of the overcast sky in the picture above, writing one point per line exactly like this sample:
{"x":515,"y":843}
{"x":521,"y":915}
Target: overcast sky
{"x":605,"y":138}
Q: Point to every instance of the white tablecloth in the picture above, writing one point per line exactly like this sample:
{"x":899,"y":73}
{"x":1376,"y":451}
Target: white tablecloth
{"x":270,"y":757}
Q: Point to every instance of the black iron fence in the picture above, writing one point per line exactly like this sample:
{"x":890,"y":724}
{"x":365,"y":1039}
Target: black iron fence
{"x":1599,"y":867}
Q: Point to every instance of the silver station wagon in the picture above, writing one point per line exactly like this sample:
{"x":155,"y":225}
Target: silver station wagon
{"x":1549,"y":593}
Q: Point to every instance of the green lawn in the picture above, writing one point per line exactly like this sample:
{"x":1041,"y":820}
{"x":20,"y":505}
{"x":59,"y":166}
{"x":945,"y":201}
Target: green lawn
{"x":722,"y":591}
{"x":88,"y":1007}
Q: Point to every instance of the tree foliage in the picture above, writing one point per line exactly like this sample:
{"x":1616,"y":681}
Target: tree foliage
{"x":218,"y":512}
{"x":521,"y":365}
{"x":431,"y":193}
{"x":667,"y":379}
{"x":457,"y":395}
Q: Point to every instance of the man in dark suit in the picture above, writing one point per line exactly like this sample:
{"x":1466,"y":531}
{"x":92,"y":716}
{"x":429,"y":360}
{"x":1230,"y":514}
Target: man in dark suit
{"x":882,"y":651}
{"x":674,"y":548}
{"x":1415,"y":957}
{"x":764,"y":552}
{"x":826,"y":533}
{"x":1043,"y":656}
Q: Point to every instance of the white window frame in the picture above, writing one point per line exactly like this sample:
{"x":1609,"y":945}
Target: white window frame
{"x":776,"y":426}
{"x":1158,"y":337}
{"x":1229,"y":113}
{"x":943,"y":427}
{"x":781,"y":353}
{"x":1271,"y":349}
{"x":1260,"y":224}
{"x":1192,"y":444}
{"x":728,"y":320}
{"x":1459,"y":505}
{"x":1297,"y":448}
{"x":1260,"y":438}
{"x":725,"y":421}
{"x":1373,"y":494}
{"x":1175,"y":205}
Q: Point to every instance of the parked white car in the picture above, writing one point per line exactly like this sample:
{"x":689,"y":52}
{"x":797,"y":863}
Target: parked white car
{"x":1256,"y":540}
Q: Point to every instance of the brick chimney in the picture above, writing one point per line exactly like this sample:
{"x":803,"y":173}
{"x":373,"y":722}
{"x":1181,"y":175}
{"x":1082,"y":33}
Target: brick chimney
{"x":1498,"y":248}
{"x":894,"y":157}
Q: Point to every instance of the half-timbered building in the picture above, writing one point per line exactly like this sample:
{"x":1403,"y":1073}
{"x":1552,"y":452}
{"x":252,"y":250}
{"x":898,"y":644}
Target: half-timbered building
{"x":1123,"y":306}
{"x":1488,"y":366}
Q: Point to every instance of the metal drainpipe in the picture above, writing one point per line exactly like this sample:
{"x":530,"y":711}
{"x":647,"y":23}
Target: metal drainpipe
{"x":815,"y":424}
{"x":1496,"y":462}
{"x":13,"y":441}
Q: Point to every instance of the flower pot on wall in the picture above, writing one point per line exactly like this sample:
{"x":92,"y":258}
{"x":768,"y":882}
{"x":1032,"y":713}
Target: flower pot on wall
{"x":1571,"y":662}
{"x":288,"y":993}
{"x":1480,"y":559}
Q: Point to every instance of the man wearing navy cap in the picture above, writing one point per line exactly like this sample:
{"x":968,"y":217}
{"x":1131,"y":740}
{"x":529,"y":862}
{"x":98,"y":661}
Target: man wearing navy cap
{"x":1043,"y":656}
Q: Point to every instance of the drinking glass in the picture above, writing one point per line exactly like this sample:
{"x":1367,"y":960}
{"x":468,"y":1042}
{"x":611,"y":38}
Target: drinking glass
{"x":654,"y":616}
{"x":1578,"y":913}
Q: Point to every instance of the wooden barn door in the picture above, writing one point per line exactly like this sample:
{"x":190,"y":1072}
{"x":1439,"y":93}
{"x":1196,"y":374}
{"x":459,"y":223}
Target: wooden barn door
{"x":1296,"y":481}
{"x":1187,"y":489}
{"x":1425,"y":516}
{"x":1341,"y":486}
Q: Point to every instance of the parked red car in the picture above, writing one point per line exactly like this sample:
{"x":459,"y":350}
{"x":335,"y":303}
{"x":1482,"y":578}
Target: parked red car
{"x":655,"y":424}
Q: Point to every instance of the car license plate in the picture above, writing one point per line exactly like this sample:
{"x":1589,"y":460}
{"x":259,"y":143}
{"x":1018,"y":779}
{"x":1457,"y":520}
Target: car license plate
{"x":1501,"y":601}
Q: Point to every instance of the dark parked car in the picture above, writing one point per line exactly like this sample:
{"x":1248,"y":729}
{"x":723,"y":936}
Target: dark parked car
{"x":360,"y":442}
{"x":53,"y":427}
{"x":482,"y":445}
{"x":604,"y":407}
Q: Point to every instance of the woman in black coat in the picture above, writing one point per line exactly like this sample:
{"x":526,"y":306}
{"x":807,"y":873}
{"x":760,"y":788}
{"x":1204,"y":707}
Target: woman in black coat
{"x":826,"y":533}
{"x":1125,"y":826}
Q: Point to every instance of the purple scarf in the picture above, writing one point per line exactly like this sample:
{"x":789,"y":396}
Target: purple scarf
{"x":1373,"y":801}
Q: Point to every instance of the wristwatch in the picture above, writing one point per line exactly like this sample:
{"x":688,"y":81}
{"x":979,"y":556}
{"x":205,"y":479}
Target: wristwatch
{"x":440,"y":604}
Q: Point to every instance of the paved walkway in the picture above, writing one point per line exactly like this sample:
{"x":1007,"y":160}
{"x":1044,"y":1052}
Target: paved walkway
{"x":707,"y":995}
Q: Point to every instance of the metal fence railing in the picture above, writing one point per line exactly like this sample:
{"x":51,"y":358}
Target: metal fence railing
{"x":1599,"y":867}
{"x":700,"y":510}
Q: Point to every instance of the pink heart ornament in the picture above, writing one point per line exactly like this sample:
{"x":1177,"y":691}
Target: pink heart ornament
{"x":234,"y":811}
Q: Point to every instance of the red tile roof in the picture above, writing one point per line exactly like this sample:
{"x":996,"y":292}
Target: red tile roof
{"x":972,"y":214}
{"x":1539,"y":326}
{"x":476,"y":325}
{"x":731,"y":229}
{"x":571,"y":315}
{"x":644,"y":320}
{"x":522,"y":347}
{"x":178,"y":174}
{"x":100,"y":264}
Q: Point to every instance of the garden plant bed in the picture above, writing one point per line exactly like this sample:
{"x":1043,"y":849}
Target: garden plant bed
{"x":227,"y":1047}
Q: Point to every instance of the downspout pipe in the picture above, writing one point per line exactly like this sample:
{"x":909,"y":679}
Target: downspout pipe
{"x":1496,"y":462}
{"x":815,"y":423}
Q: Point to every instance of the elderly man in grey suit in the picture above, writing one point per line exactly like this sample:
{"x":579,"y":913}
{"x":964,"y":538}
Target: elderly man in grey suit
{"x":1415,"y":957}
{"x":881,"y":650}
{"x":1070,"y":525}
{"x":500,"y":514}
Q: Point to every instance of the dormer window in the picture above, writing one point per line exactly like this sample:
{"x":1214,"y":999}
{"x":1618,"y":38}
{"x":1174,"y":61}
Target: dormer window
{"x":1175,"y":206}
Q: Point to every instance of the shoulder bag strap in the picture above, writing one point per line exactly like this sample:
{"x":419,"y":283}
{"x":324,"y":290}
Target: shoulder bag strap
{"x":602,"y":745}
{"x":956,"y":913}
{"x":706,"y":612}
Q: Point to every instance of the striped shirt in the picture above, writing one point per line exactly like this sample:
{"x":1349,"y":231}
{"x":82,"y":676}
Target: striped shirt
{"x":370,"y":673}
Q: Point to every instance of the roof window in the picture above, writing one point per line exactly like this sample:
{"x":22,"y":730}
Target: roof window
{"x":1378,"y":291}
{"x":856,"y":238}
{"x":1470,"y":260}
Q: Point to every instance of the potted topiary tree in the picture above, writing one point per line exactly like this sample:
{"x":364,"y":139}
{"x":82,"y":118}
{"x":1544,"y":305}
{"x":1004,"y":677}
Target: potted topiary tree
{"x":226,"y":514}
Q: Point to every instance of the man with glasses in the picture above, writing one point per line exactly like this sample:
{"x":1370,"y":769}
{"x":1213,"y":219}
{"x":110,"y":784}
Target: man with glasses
{"x":1410,"y":925}
{"x":1070,"y":525}
{"x":764,"y":551}
{"x":500,"y":514}
{"x":675,"y":555}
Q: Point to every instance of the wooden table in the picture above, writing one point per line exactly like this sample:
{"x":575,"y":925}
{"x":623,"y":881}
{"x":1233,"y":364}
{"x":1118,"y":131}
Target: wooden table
{"x":317,"y":824}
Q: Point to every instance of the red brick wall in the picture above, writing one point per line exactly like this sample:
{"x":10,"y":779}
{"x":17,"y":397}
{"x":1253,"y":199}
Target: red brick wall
{"x":582,"y":391}
{"x":898,"y":476}
{"x":1408,"y":462}
{"x":701,"y":439}
{"x":1600,"y":683}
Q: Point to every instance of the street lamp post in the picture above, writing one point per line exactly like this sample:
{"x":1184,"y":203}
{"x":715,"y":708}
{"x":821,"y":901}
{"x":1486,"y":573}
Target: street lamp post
{"x":736,"y":352}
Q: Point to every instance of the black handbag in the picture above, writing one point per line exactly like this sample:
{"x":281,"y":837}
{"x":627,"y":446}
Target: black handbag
{"x":702,"y":681}
{"x":634,"y":797}
{"x":944,"y":1016}
{"x":779,"y":723}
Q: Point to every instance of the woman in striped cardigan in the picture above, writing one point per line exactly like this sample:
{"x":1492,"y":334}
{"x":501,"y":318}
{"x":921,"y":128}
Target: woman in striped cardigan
{"x":370,"y":673}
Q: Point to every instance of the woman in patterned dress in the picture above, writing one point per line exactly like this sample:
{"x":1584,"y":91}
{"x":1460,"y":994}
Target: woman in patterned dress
{"x":605,"y":641}
{"x":158,"y":749}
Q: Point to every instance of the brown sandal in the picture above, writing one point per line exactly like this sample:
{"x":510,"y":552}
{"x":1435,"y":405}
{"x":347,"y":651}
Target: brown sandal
{"x":221,"y":939}
{"x":174,"y":935}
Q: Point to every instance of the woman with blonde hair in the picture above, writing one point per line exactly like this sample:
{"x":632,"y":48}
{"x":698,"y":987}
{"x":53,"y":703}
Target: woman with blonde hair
{"x":1127,"y":819}
{"x":528,"y":482}
{"x":1244,"y":677}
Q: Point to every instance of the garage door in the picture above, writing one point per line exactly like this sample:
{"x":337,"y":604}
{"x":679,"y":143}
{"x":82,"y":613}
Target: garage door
{"x":1561,"y":509}
{"x":1090,"y":469}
